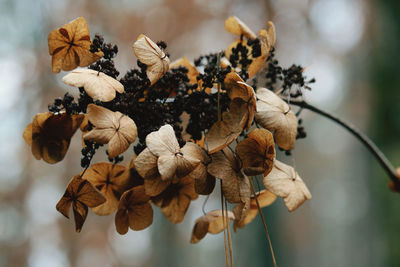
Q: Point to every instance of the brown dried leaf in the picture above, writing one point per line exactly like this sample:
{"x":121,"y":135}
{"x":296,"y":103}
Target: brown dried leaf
{"x":49,"y":135}
{"x":150,"y":54}
{"x":212,"y":222}
{"x":114,"y":128}
{"x":257,"y":152}
{"x":223,"y":133}
{"x":265,"y":198}
{"x":285,"y":182}
{"x":111,"y":181}
{"x":275,"y":115}
{"x":80,"y":194}
{"x":97,"y":85}
{"x":69,"y":46}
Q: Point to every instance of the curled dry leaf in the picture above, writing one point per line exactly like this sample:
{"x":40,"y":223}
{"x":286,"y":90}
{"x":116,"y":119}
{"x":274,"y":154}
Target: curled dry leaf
{"x":237,"y":88}
{"x":204,"y":182}
{"x":134,"y":211}
{"x":69,"y":46}
{"x":265,"y":198}
{"x":212,"y":222}
{"x":175,"y":199}
{"x":152,"y":56}
{"x":112,"y":128}
{"x":111,"y":180}
{"x":234,"y":25}
{"x":223,"y":133}
{"x":97,"y":85}
{"x":269,"y":35}
{"x":81,"y":194}
{"x":235,"y":185}
{"x":275,"y":115}
{"x":49,"y":135}
{"x":285,"y":182}
{"x":257,"y":152}
{"x":172,"y":160}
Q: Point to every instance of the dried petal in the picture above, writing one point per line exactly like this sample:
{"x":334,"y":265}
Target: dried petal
{"x":150,"y":54}
{"x":285,"y":182}
{"x":275,"y":115}
{"x":97,"y":85}
{"x":234,"y":25}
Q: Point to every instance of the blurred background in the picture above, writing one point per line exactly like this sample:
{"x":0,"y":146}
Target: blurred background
{"x":351,"y":48}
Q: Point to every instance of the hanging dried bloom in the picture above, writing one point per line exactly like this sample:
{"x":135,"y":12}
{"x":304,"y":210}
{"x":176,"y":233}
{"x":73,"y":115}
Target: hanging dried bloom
{"x":212,"y":222}
{"x":275,"y":115}
{"x":97,"y":85}
{"x":285,"y":182}
{"x":69,"y":46}
{"x":234,"y":25}
{"x":237,"y":88}
{"x":257,"y":152}
{"x":175,"y":199}
{"x":134,"y":211}
{"x":112,"y":128}
{"x":49,"y":135}
{"x":172,"y":160}
{"x":81,"y":194}
{"x":150,"y":54}
{"x":204,"y":182}
{"x":235,"y":185}
{"x":111,"y":180}
{"x":224,"y":132}
{"x":265,"y":198}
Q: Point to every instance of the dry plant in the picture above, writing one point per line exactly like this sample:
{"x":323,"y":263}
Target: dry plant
{"x":222,"y":117}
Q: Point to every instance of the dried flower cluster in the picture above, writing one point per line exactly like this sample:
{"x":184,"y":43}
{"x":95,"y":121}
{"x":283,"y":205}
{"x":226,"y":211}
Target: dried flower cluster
{"x":190,"y":125}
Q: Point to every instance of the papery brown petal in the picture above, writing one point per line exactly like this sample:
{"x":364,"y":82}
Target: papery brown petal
{"x":140,"y":217}
{"x":176,"y":210}
{"x":80,"y":214}
{"x":234,"y":25}
{"x":64,"y":204}
{"x":163,"y":141}
{"x":28,"y":134}
{"x":200,"y":229}
{"x":154,"y":187}
{"x":122,"y":221}
{"x":146,"y":164}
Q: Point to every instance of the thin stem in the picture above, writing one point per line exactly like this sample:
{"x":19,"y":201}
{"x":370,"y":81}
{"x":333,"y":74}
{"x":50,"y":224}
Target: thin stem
{"x":382,"y":159}
{"x":264,"y":223}
{"x":229,"y":234}
{"x":223,"y":219}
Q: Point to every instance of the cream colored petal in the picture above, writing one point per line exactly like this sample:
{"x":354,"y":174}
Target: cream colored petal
{"x":128,"y":129}
{"x":117,"y":145}
{"x":100,"y":117}
{"x":285,"y":182}
{"x":101,"y":136}
{"x":234,"y":25}
{"x":146,"y":165}
{"x":163,"y":141}
{"x":167,"y":165}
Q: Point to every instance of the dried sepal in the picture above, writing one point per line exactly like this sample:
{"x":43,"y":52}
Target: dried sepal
{"x":286,"y":183}
{"x":212,"y":222}
{"x":275,"y":115}
{"x":97,"y":85}
{"x":69,"y":46}
{"x":111,"y":180}
{"x":223,"y":133}
{"x":237,"y":88}
{"x":257,"y":152}
{"x":134,"y":211}
{"x":234,"y":25}
{"x":81,"y":194}
{"x":49,"y":135}
{"x":265,"y":198}
{"x":175,"y":199}
{"x":150,"y":54}
{"x":172,"y":160}
{"x":225,"y":166}
{"x":112,"y":128}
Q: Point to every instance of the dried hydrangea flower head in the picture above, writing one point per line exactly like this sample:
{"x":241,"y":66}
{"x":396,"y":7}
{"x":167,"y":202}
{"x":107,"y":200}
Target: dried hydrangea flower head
{"x":275,"y":115}
{"x":81,"y":194}
{"x":175,"y":199}
{"x":49,"y":135}
{"x":134,"y":211}
{"x":152,"y":56}
{"x":286,"y":183}
{"x":172,"y":160}
{"x":69,"y":46}
{"x":112,"y":128}
{"x":97,"y":85}
{"x":212,"y":222}
{"x":265,"y":198}
{"x":111,"y":180}
{"x":257,"y":152}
